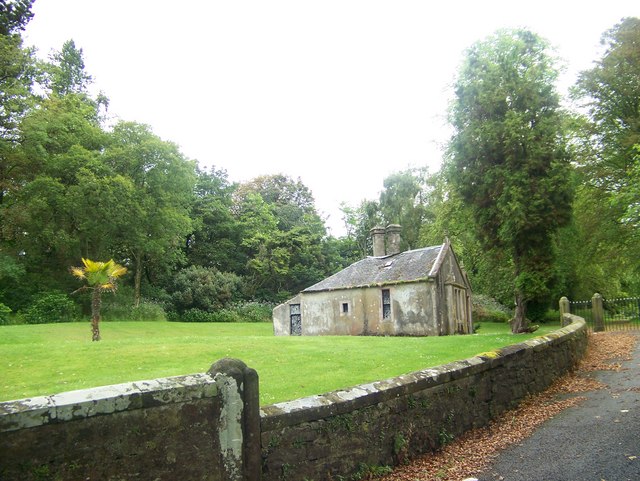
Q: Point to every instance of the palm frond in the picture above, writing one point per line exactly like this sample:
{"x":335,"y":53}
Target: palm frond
{"x":78,"y":272}
{"x":118,"y":271}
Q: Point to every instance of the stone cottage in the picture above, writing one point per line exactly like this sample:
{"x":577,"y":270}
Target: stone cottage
{"x":421,"y":292}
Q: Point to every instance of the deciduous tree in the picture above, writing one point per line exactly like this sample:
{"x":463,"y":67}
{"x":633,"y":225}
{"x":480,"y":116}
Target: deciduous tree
{"x":163,"y":182}
{"x":610,"y":91}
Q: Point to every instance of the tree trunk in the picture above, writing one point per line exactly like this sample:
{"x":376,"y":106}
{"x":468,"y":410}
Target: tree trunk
{"x":137,"y":281}
{"x":95,"y":314}
{"x":520,"y":323}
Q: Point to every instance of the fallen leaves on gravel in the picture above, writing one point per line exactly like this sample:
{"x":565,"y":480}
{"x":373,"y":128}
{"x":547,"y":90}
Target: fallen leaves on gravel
{"x":468,"y":455}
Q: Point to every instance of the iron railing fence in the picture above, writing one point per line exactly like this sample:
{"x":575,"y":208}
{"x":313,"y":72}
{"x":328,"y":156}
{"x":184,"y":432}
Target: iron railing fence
{"x":621,"y":314}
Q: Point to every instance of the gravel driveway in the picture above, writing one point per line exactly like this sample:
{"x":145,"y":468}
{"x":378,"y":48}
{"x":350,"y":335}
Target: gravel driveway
{"x":599,"y":439}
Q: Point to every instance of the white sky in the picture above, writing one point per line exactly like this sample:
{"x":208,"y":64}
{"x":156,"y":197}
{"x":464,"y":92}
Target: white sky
{"x":340,"y":93}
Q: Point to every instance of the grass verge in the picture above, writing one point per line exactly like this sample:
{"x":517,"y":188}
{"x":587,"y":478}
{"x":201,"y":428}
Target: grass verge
{"x":51,"y":358}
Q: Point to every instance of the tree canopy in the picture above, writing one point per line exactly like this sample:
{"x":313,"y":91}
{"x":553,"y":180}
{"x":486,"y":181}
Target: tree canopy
{"x":75,"y":186}
{"x":508,"y":156}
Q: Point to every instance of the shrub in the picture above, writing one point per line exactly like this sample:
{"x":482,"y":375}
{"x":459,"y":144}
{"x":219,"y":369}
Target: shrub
{"x":204,"y":288}
{"x":118,"y":306}
{"x":5,"y":312}
{"x":537,"y":310}
{"x":254,"y":311}
{"x":486,"y":309}
{"x":198,"y":315}
{"x":124,"y":311}
{"x":51,"y":307}
{"x":549,"y":317}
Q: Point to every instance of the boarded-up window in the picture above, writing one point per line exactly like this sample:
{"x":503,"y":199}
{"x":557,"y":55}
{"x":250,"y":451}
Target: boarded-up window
{"x":460,"y":310}
{"x":296,"y":319}
{"x":386,"y":304}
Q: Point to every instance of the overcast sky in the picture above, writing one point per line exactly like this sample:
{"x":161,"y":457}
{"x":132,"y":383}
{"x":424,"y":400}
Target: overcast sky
{"x":339,"y":93}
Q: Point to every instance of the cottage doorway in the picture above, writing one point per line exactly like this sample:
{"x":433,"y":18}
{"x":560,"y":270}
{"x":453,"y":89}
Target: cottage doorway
{"x":296,"y":319}
{"x":460,"y":310}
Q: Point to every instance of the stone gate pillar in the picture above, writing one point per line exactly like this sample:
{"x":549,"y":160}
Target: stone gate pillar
{"x":597,"y":312}
{"x":239,"y":419}
{"x":565,"y":308}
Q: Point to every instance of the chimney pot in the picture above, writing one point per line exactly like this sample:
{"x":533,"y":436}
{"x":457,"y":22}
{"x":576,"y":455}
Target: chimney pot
{"x":393,"y":239}
{"x":377,"y":234}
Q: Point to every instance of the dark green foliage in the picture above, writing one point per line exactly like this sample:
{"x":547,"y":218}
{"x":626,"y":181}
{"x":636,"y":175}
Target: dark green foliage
{"x":71,"y":187}
{"x":67,"y":73}
{"x":607,"y":213}
{"x":550,"y":316}
{"x":119,"y":307}
{"x":51,"y":307}
{"x":282,"y":236}
{"x":537,"y":311}
{"x":240,"y":312}
{"x":5,"y":312}
{"x":216,"y":236}
{"x":204,"y":289}
{"x":14,"y":15}
{"x":487,"y":309}
{"x":484,"y":315}
{"x":611,"y":92}
{"x":198,"y":315}
{"x":508,"y":157}
{"x":254,"y":311}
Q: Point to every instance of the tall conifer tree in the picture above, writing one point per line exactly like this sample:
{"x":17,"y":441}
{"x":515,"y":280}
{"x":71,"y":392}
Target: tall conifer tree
{"x":508,"y":159}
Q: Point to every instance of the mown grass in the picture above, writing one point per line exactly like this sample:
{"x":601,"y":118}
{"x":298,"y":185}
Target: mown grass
{"x":50,"y":358}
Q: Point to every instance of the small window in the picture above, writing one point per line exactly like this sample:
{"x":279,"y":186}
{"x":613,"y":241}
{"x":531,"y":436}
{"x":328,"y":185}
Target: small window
{"x":345,"y":308}
{"x":386,"y":304}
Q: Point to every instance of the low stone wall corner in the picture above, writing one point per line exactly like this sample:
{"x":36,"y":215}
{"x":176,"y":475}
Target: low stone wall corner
{"x":387,"y":422}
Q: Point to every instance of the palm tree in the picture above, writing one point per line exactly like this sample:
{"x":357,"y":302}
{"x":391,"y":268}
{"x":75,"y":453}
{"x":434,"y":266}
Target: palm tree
{"x":100,"y":277}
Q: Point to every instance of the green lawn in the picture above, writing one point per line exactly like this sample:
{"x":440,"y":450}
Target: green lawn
{"x":50,"y":358}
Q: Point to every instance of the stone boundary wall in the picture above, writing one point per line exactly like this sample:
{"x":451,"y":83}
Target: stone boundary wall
{"x":187,"y":428}
{"x":346,"y":434}
{"x":210,"y":426}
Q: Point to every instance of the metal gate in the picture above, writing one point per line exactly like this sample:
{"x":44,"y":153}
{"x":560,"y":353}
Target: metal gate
{"x":296,"y":319}
{"x":609,"y":314}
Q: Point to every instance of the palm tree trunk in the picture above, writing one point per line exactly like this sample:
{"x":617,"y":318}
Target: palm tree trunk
{"x":96,"y":302}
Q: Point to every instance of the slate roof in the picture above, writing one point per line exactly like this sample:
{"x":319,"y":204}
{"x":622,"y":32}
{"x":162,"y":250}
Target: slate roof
{"x":403,"y":267}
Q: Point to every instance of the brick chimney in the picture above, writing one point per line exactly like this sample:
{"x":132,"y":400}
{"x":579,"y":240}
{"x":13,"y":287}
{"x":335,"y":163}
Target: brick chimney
{"x":393,"y":239}
{"x":377,"y":234}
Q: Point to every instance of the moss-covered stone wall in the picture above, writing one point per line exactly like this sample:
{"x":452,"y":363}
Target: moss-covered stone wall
{"x":353,"y":431}
{"x":189,"y":428}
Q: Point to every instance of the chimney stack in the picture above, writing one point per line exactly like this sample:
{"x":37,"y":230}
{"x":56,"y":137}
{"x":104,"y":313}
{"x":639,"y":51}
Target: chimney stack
{"x":377,"y":234}
{"x":393,"y":239}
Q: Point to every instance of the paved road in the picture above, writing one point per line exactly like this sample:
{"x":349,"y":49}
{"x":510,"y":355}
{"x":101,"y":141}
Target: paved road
{"x":597,"y":440}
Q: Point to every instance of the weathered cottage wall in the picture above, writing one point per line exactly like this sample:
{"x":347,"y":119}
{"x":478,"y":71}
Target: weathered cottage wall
{"x":414,"y":309}
{"x":386,"y":422}
{"x":281,"y":317}
{"x":203,"y":426}
{"x":358,"y":311}
{"x":452,"y":282}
